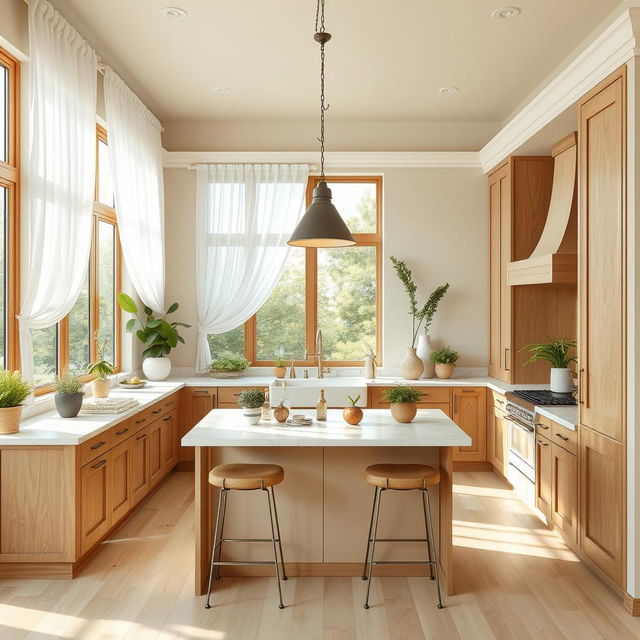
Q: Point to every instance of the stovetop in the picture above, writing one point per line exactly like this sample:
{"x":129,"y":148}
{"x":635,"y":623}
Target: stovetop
{"x":531,"y":398}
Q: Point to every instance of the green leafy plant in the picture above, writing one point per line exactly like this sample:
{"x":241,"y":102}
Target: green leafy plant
{"x":69,"y":384}
{"x":251,"y":398}
{"x":14,"y":390}
{"x":446,"y":355}
{"x":280,"y":362}
{"x":229,"y":362}
{"x":101,"y":368}
{"x":157,"y":333}
{"x":557,"y":352}
{"x":401,"y":394}
{"x":354,"y":401}
{"x":427,"y":311}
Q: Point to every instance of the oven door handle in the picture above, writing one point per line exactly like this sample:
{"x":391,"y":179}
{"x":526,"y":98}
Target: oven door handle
{"x":521,"y":425}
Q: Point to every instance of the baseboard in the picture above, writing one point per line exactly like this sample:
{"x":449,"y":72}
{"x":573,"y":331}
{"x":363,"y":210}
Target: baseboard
{"x":472,"y":465}
{"x":185,"y":465}
{"x":39,"y":570}
{"x":631,"y":604}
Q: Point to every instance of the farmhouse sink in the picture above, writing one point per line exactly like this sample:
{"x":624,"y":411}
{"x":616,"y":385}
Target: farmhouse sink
{"x":304,"y":392}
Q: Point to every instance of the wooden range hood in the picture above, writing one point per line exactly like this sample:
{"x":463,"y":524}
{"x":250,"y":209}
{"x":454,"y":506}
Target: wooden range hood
{"x":555,"y":258}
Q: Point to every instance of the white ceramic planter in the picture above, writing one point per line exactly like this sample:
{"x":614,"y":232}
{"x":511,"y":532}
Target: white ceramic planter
{"x":424,"y":352}
{"x":252,"y":416}
{"x":156,"y":368}
{"x":561,"y":381}
{"x":411,"y":367}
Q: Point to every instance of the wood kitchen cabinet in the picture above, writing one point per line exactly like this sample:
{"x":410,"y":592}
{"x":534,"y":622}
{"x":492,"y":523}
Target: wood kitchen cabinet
{"x":140,"y":467}
{"x":196,"y":403}
{"x":470,"y":414}
{"x":497,"y":432}
{"x":95,"y":510}
{"x":430,"y":398}
{"x":544,"y":476}
{"x":564,"y":504}
{"x":120,"y":482}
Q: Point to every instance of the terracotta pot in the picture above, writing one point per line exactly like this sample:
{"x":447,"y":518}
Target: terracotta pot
{"x":352,"y":415}
{"x":100,"y":388}
{"x":404,"y":411}
{"x":444,"y":370}
{"x":280,"y":372}
{"x":281,"y":413}
{"x":411,"y":367}
{"x":10,"y":419}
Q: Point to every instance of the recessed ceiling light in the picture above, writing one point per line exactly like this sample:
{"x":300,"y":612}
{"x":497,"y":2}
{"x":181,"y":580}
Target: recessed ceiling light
{"x":504,"y":13}
{"x":221,"y":91}
{"x":175,"y":13}
{"x":448,"y":91}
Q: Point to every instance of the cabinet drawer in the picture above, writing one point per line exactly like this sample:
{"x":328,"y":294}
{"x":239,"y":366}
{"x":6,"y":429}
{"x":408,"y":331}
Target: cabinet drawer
{"x":97,"y":446}
{"x":229,"y":395}
{"x":565,"y":438}
{"x":499,"y":401}
{"x":122,"y":431}
{"x":433,"y":394}
{"x":543,"y":427}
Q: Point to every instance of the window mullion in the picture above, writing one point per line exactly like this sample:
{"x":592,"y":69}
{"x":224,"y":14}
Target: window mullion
{"x":311,"y":295}
{"x":93,"y":290}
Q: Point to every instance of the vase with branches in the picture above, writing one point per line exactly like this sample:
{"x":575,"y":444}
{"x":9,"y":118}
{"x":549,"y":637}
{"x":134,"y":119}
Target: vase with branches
{"x":421,"y":317}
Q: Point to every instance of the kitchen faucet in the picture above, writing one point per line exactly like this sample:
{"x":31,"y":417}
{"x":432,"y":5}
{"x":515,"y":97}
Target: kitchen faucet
{"x":318,"y":354}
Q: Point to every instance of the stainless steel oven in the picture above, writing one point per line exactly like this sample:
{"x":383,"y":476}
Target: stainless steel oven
{"x":521,"y":457}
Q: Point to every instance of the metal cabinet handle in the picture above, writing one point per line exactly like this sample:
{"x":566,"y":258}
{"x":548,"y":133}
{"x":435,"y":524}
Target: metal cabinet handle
{"x":544,"y":444}
{"x":542,"y":426}
{"x":119,"y":433}
{"x":424,"y":395}
{"x":455,"y":403}
{"x":580,"y":377}
{"x":142,"y":437}
{"x":168,"y":404}
{"x":506,"y":350}
{"x":561,"y":436}
{"x":500,"y":401}
{"x":156,"y":411}
{"x":167,"y":419}
{"x":98,"y":445}
{"x":99,"y":464}
{"x":141,"y":420}
{"x":200,"y":391}
{"x":468,"y":390}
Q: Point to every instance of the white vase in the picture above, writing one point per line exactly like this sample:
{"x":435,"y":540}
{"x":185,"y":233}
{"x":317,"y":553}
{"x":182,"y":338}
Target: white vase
{"x":252,"y":416}
{"x":411,"y":367}
{"x":561,"y":381}
{"x":424,"y":352}
{"x":156,"y":368}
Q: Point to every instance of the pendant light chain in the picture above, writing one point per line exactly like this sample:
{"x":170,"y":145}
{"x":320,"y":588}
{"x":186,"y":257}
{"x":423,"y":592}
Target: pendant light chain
{"x":320,"y":24}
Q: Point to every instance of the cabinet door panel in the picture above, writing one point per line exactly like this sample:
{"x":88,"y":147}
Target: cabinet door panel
{"x":120,"y":483}
{"x":544,"y":488}
{"x":95,"y":501}
{"x":155,"y":451}
{"x":197,"y":402}
{"x":139,"y":476}
{"x":469,"y":413}
{"x":498,"y":452}
{"x":565,"y":493}
{"x":169,"y":442}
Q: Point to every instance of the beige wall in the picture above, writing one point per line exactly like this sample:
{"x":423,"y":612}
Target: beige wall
{"x":13,"y":25}
{"x":435,"y":219}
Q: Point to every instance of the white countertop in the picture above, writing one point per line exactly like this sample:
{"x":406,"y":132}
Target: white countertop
{"x":228,"y":428}
{"x":565,"y":416}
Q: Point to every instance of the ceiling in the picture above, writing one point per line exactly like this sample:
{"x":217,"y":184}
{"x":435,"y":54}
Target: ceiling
{"x":385,"y":62}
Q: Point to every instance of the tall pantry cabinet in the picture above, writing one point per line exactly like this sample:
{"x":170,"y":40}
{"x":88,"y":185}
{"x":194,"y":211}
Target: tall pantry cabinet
{"x":602,"y":339}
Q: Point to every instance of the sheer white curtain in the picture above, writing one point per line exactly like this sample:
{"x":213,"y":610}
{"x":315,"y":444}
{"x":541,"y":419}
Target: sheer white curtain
{"x":244,"y":217}
{"x":60,"y":172}
{"x":135,"y":153}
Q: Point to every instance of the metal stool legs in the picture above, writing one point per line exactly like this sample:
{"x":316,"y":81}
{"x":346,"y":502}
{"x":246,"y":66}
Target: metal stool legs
{"x":370,"y":561}
{"x":216,"y":543}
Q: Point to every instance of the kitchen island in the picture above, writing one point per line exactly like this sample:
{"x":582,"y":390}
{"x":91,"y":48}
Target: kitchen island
{"x":324,"y":502}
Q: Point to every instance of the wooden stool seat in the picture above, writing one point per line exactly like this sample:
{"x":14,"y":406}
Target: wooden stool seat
{"x":246,"y":476}
{"x":402,"y":476}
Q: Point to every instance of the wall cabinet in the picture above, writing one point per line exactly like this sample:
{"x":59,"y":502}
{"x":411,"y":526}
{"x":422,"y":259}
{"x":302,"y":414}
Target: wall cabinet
{"x":470,"y":414}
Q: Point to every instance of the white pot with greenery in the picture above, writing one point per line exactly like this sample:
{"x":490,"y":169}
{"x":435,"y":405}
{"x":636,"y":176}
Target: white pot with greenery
{"x":251,"y":401}
{"x":560,"y":352}
{"x":228,"y":365}
{"x":157,"y":334}
{"x":100,"y":370}
{"x":14,"y":390}
{"x":412,"y":366}
{"x":445,"y":361}
{"x":69,"y":395}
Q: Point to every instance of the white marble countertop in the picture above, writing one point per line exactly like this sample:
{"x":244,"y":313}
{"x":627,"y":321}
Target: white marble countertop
{"x":565,"y":416}
{"x":228,"y":428}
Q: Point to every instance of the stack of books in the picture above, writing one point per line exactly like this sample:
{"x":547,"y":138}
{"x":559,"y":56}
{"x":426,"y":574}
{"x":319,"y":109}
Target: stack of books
{"x":107,"y":406}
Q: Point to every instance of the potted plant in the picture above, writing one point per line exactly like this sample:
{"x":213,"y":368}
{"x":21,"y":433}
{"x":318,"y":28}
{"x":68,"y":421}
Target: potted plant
{"x":14,"y":390}
{"x":280,"y":370}
{"x":412,"y":367}
{"x":69,"y":395}
{"x":353,"y":414}
{"x":251,"y":401}
{"x":228,"y":365}
{"x":403,"y":401}
{"x":424,"y":349}
{"x":560,"y":352}
{"x":445,"y":360}
{"x":157,"y":334}
{"x":100,"y":370}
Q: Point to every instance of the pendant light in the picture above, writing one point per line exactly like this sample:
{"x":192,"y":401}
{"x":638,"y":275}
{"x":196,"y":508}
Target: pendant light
{"x":321,"y":225}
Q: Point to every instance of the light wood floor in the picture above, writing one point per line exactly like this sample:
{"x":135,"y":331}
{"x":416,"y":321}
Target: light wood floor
{"x":521,"y":582}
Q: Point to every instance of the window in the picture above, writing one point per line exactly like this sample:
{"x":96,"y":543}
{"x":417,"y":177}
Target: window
{"x":335,"y":290}
{"x":9,"y":218}
{"x":94,"y":319}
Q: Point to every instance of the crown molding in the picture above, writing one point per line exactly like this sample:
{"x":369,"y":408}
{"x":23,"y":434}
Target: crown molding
{"x":333,"y":159}
{"x":615,"y":46}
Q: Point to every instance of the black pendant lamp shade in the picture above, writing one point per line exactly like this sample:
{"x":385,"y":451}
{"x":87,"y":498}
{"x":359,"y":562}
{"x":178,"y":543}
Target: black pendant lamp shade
{"x":321,"y":225}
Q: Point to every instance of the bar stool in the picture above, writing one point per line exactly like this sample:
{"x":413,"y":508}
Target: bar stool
{"x":245,"y":477}
{"x":401,"y":477}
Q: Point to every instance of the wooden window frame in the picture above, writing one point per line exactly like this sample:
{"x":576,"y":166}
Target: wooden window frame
{"x":10,"y":178}
{"x":311,"y":281}
{"x":101,"y":213}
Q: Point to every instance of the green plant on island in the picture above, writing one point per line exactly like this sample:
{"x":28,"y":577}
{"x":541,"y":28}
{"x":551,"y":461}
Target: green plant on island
{"x":101,"y":368}
{"x":446,"y":355}
{"x":156,"y":332}
{"x":229,"y":362}
{"x":354,"y":401}
{"x":69,"y":384}
{"x":401,"y":394}
{"x":14,"y":389}
{"x":251,"y":399}
{"x":427,"y":311}
{"x":557,"y":352}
